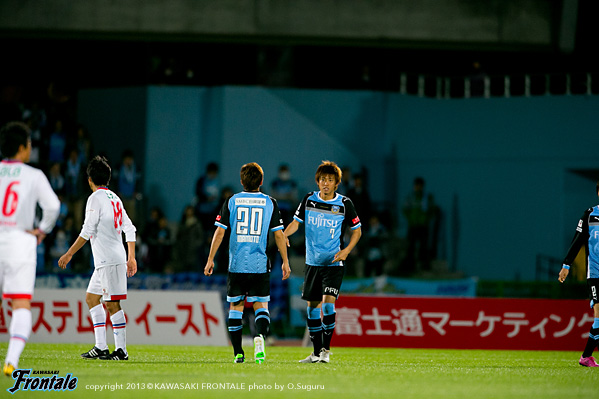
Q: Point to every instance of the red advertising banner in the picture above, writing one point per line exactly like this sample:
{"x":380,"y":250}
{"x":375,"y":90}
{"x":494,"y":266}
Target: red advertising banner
{"x":153,"y":317}
{"x":462,"y":323}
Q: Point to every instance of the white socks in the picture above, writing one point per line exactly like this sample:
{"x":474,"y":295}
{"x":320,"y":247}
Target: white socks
{"x":99,"y":320}
{"x":20,"y":329}
{"x":118,"y":329}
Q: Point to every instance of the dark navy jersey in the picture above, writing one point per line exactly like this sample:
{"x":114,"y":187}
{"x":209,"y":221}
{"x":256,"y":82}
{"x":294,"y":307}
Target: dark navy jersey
{"x":325,"y":223}
{"x":587,"y":234}
{"x":250,"y":215}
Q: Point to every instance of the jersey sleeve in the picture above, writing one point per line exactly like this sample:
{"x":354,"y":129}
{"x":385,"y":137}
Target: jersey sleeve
{"x":276,"y":222}
{"x":351,"y":216}
{"x":49,"y":203}
{"x":300,"y":212}
{"x":92,"y":218}
{"x":223,"y":217}
{"x":128,"y":228}
{"x":580,"y":238}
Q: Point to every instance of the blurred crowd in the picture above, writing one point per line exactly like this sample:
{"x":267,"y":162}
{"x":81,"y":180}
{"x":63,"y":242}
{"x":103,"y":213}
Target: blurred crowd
{"x":61,"y":147}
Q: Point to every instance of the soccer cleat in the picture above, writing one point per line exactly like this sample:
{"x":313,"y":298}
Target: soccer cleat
{"x":588,"y":361}
{"x":118,"y":354}
{"x":8,"y":369}
{"x":95,"y":353}
{"x":239,"y":358}
{"x":259,"y":353}
{"x":310,"y":359}
{"x":324,"y":355}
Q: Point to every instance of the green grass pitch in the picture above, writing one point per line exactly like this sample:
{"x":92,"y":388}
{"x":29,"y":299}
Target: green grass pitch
{"x":208,"y":372}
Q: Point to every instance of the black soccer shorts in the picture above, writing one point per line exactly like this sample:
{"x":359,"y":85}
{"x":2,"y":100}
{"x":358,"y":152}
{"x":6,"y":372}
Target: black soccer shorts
{"x":322,"y":280}
{"x":254,"y":287}
{"x":593,"y":284}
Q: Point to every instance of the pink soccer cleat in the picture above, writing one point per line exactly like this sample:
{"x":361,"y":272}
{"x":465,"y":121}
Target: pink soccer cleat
{"x":588,"y":362}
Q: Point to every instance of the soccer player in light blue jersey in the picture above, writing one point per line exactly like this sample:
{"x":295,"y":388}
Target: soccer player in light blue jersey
{"x":587,"y":235}
{"x":249,"y":215}
{"x":325,"y":214}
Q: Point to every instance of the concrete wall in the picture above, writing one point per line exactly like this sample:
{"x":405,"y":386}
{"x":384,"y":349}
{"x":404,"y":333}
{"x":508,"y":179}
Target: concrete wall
{"x":490,"y":22}
{"x":118,"y":119}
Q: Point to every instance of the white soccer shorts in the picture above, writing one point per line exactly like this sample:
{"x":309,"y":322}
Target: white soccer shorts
{"x":17,"y":279}
{"x":110,"y":282}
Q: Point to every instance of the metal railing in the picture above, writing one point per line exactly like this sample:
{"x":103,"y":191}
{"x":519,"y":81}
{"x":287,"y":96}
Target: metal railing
{"x":487,"y":86}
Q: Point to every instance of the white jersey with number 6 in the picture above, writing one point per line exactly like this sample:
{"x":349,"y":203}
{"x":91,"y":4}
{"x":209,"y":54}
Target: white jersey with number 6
{"x":105,"y":222}
{"x":22,"y":187}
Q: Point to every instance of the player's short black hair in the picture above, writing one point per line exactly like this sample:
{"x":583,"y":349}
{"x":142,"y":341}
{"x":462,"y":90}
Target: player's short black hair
{"x":99,"y":170}
{"x":329,"y":168}
{"x":12,"y":136}
{"x":252,"y":176}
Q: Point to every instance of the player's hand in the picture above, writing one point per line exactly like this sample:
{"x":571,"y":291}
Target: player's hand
{"x":40,"y":235}
{"x":563,"y":274}
{"x":341,"y":256}
{"x":287,"y":241}
{"x":64,"y":260}
{"x":286,"y":270}
{"x":131,"y":267}
{"x":209,"y":268}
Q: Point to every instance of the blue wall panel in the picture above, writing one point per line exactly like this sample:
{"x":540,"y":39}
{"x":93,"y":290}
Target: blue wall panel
{"x":500,"y":168}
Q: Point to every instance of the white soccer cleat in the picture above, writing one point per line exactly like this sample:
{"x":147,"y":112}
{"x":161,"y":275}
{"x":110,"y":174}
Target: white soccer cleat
{"x":311,"y":359}
{"x":259,"y":353}
{"x":324,"y":355}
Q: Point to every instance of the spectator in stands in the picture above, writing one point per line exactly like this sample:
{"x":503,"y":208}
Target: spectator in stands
{"x":346,"y":180}
{"x":207,"y":195}
{"x":57,"y":181}
{"x":375,"y":247}
{"x":190,"y":238}
{"x":361,"y":199}
{"x":75,"y":185}
{"x":420,"y":211}
{"x":83,"y":144}
{"x":127,"y":178}
{"x":65,"y":234}
{"x":284,"y":190}
{"x":151,"y":229}
{"x":57,"y":143}
{"x":35,"y":118}
{"x":159,"y":242}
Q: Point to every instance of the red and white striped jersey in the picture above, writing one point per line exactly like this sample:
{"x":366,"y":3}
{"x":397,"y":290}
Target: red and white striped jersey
{"x":22,"y":188}
{"x":105,"y":222}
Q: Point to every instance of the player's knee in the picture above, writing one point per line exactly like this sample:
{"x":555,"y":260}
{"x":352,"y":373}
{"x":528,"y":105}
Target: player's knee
{"x":113,"y":306}
{"x":314,"y":304}
{"x":238,"y":303}
{"x":92,"y":300}
{"x":21,"y":303}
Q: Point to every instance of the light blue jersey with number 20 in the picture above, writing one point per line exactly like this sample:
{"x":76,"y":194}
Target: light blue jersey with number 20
{"x":250,"y":216}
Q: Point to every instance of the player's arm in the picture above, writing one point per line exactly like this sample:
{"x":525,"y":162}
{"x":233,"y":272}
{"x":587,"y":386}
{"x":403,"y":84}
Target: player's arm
{"x":217,"y":239}
{"x":50,"y":205}
{"x":353,"y":241}
{"x":580,"y":238}
{"x":297,"y":219}
{"x":131,"y":262}
{"x":130,"y":237}
{"x":291,"y":228}
{"x":66,"y":258}
{"x":282,"y":242}
{"x":89,"y":229}
{"x":354,"y":222}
